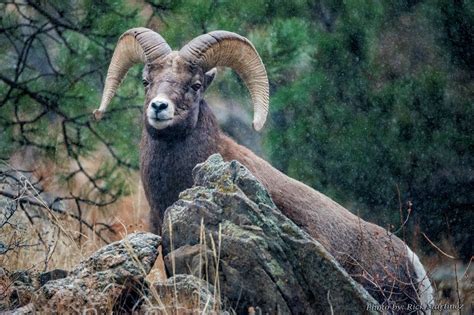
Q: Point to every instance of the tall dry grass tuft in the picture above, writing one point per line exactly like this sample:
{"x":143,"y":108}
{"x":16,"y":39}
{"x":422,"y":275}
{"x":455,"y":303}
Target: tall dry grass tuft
{"x":216,"y":251}
{"x":207,"y":270}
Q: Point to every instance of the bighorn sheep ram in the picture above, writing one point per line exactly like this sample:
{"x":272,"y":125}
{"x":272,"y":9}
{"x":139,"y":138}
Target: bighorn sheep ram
{"x":180,"y":131}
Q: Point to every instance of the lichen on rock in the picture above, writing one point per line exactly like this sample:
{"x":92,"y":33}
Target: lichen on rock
{"x":261,"y":258}
{"x":111,"y":278}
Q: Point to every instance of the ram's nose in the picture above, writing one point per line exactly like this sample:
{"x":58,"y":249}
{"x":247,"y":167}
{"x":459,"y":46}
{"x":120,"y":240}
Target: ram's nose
{"x":159,"y":105}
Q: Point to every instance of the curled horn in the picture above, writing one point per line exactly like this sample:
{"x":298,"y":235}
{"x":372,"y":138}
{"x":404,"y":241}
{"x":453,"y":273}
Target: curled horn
{"x":137,"y":45}
{"x":221,"y":48}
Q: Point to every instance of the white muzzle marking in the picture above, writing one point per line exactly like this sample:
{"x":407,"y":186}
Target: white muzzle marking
{"x":159,"y":115}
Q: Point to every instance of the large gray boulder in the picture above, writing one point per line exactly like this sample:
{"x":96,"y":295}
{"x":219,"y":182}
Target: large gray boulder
{"x":255,"y":256}
{"x":113,"y":278}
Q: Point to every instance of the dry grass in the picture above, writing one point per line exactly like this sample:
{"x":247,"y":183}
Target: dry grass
{"x":51,"y":240}
{"x":452,"y":278}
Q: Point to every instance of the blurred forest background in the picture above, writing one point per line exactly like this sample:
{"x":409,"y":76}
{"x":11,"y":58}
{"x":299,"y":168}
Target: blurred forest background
{"x":371,"y":104}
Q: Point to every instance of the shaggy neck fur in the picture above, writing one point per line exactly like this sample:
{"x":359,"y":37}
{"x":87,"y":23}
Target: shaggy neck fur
{"x":168,"y":158}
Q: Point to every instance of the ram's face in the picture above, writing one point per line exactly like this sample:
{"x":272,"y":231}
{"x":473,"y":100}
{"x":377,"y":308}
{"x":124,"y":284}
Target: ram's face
{"x":174,"y":90}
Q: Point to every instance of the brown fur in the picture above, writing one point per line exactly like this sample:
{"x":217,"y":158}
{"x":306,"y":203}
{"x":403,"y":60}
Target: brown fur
{"x":373,"y":257}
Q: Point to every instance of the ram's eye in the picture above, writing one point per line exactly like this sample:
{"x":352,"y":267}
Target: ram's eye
{"x":145,"y":83}
{"x":196,"y":86}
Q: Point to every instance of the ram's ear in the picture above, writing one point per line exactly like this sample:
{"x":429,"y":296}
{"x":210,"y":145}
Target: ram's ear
{"x":208,"y":77}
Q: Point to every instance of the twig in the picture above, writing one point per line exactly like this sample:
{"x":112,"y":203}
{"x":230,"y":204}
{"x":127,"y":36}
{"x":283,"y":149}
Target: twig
{"x":457,"y":285}
{"x":329,"y":302}
{"x":436,"y":247}
{"x":468,"y":266}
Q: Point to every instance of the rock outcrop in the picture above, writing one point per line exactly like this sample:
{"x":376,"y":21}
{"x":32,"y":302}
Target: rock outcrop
{"x":112,"y":278}
{"x":227,"y":230}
